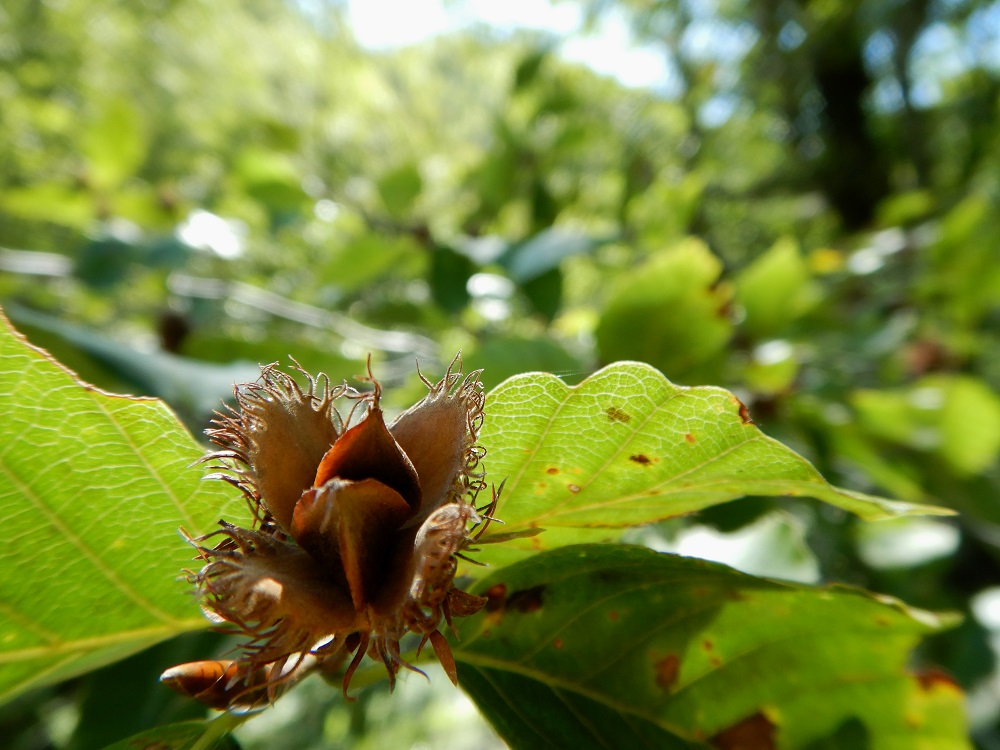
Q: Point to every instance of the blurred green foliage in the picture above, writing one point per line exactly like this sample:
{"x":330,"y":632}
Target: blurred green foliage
{"x":189,"y":188}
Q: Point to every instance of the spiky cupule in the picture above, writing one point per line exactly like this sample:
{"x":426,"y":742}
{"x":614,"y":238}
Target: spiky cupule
{"x":285,"y":591}
{"x":271,"y":442}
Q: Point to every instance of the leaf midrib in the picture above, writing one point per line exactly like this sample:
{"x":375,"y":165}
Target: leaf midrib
{"x":106,"y":571}
{"x":487,"y":662}
{"x":482,"y":661}
{"x":168,"y":490}
{"x":158,"y":632}
{"x":555,"y":509}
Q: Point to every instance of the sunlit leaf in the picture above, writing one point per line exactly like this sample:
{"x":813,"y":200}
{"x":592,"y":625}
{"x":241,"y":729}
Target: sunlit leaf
{"x":93,"y":488}
{"x":628,"y":447}
{"x":906,"y":208}
{"x":371,"y":256}
{"x":193,"y":388}
{"x":271,"y":178}
{"x":669,"y":312}
{"x":399,"y":188}
{"x":775,"y":289}
{"x":617,"y":646}
{"x":114,"y":143}
{"x":956,"y":416}
{"x":965,"y":277}
{"x":49,"y":201}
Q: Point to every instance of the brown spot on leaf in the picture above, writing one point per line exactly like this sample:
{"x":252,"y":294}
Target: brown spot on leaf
{"x":617,"y":415}
{"x":557,"y":643}
{"x":707,"y":645}
{"x":573,"y":488}
{"x":933,"y":679}
{"x":883,"y":621}
{"x":495,"y":597}
{"x":666,"y":670}
{"x":716,"y":662}
{"x":613,"y":615}
{"x":641,"y":459}
{"x":752,"y":733}
{"x":552,"y":470}
{"x":744,"y":412}
{"x":689,"y":437}
{"x":526,"y":600}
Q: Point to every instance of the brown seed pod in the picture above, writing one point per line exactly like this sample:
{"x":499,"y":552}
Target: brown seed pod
{"x":356,"y":530}
{"x":442,"y":539}
{"x":230,"y":684}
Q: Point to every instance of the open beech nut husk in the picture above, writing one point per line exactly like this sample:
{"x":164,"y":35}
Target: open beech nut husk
{"x":355,"y":533}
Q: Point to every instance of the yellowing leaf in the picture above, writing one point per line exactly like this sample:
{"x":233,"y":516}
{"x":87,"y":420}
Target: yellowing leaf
{"x":615,"y":646}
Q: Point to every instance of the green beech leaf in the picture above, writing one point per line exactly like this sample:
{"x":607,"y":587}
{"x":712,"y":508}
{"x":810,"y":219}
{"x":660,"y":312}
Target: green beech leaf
{"x":92,"y":490}
{"x":955,"y":416}
{"x":617,"y":646}
{"x":115,"y":143}
{"x":627,"y":447}
{"x":400,"y":188}
{"x":670,"y":311}
{"x":184,"y":735}
{"x":775,"y":289}
{"x":49,"y":201}
{"x":193,"y":388}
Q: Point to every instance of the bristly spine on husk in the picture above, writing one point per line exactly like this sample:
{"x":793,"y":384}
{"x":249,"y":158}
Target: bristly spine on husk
{"x":355,"y":532}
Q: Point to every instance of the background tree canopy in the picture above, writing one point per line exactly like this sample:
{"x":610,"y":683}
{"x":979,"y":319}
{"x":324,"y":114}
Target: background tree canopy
{"x":805,"y":210}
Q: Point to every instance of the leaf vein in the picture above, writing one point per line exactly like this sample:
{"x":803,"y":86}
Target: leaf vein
{"x":546,"y":678}
{"x":514,"y":707}
{"x":558,"y":510}
{"x":127,"y":437}
{"x":89,"y":644}
{"x":102,"y":567}
{"x":620,"y":449}
{"x":28,"y":623}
